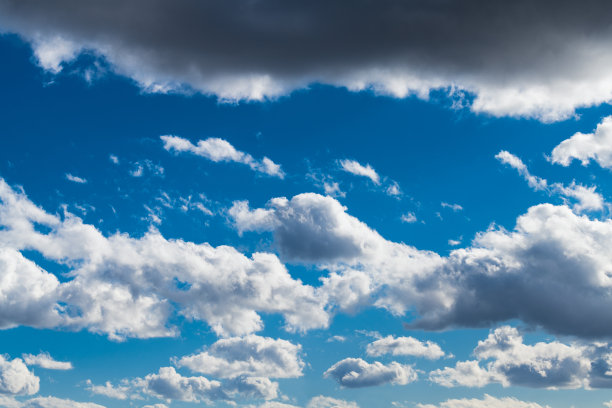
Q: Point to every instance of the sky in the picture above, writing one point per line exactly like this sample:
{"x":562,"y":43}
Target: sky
{"x":289,"y":204}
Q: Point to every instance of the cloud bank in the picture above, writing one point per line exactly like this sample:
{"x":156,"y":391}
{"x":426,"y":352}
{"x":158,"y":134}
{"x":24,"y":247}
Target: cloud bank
{"x":541,"y":59}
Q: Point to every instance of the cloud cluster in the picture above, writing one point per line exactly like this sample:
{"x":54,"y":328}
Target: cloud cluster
{"x":129,"y":287}
{"x":544,"y":365}
{"x":538,"y":59}
{"x":247,"y":356}
{"x":220,"y":150}
{"x":551,"y":271}
{"x":487,"y":402}
{"x":356,"y":373}
{"x":405,"y":346}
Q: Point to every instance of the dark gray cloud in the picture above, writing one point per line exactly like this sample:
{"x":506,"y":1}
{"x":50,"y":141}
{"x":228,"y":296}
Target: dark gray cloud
{"x":522,"y":58}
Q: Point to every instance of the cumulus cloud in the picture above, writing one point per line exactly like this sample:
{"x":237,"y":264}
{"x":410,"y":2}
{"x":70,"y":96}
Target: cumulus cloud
{"x":127,"y":287}
{"x":220,"y":150}
{"x":536,"y":60}
{"x":509,"y":361}
{"x":45,"y":360}
{"x":356,"y":373}
{"x":321,"y":401}
{"x":586,"y":198}
{"x":551,"y":270}
{"x":120,"y":392}
{"x":405,"y":346}
{"x":250,"y":355}
{"x":487,"y":402}
{"x":596,"y":146}
{"x":16,"y":379}
{"x":169,"y":385}
{"x":358,"y":169}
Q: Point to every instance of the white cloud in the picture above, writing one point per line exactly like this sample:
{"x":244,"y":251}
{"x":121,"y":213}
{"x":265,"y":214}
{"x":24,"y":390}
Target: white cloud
{"x":16,"y":379}
{"x":252,"y":356}
{"x":454,"y":207}
{"x":333,"y":189}
{"x":405,"y":346}
{"x":487,"y":402}
{"x":114,"y":159}
{"x":120,"y":392}
{"x":75,"y":179}
{"x":596,"y":146}
{"x":170,"y":385}
{"x":511,"y":362}
{"x":52,"y":402}
{"x":144,"y":276}
{"x":321,"y":401}
{"x":354,"y":167}
{"x":45,"y":360}
{"x":393,"y":189}
{"x":220,"y":150}
{"x":409,"y":218}
{"x":139,"y":167}
{"x":356,"y":373}
{"x":586,"y":198}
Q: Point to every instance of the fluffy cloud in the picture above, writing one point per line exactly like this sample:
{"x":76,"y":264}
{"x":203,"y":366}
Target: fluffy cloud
{"x":586,"y":198}
{"x":536,"y":60}
{"x":321,"y":401}
{"x":487,"y":402}
{"x":251,"y":355}
{"x":405,"y":346}
{"x":16,"y":379}
{"x":45,"y":360}
{"x":550,"y":271}
{"x":167,"y":384}
{"x":219,"y":150}
{"x":145,"y":276}
{"x":354,"y":167}
{"x":511,"y":362}
{"x":356,"y":373}
{"x":596,"y":146}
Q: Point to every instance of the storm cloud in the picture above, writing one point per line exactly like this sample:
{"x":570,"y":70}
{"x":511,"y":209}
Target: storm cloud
{"x":540,"y":59}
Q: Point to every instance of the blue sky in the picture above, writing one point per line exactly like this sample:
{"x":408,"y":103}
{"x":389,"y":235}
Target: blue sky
{"x":176,"y":238}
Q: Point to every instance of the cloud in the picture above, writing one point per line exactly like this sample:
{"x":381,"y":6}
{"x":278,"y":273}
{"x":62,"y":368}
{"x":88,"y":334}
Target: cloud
{"x":139,"y":168}
{"x":129,"y":287}
{"x":251,"y":355}
{"x":354,"y":167}
{"x":356,"y":373}
{"x":596,"y":146}
{"x":52,"y":402}
{"x":550,"y":271}
{"x":405,"y":346}
{"x":16,"y":379}
{"x":169,"y":385}
{"x":409,"y":218}
{"x":454,"y":207}
{"x":586,"y":198}
{"x":536,"y":61}
{"x":219,"y":150}
{"x":75,"y":179}
{"x":487,"y":402}
{"x":44,"y":360}
{"x":120,"y":392}
{"x":510,"y":362}
{"x":321,"y":401}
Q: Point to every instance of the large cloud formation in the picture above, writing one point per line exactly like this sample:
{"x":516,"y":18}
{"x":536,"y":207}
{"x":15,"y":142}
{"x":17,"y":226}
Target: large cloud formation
{"x":539,"y":59}
{"x":552,"y":270}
